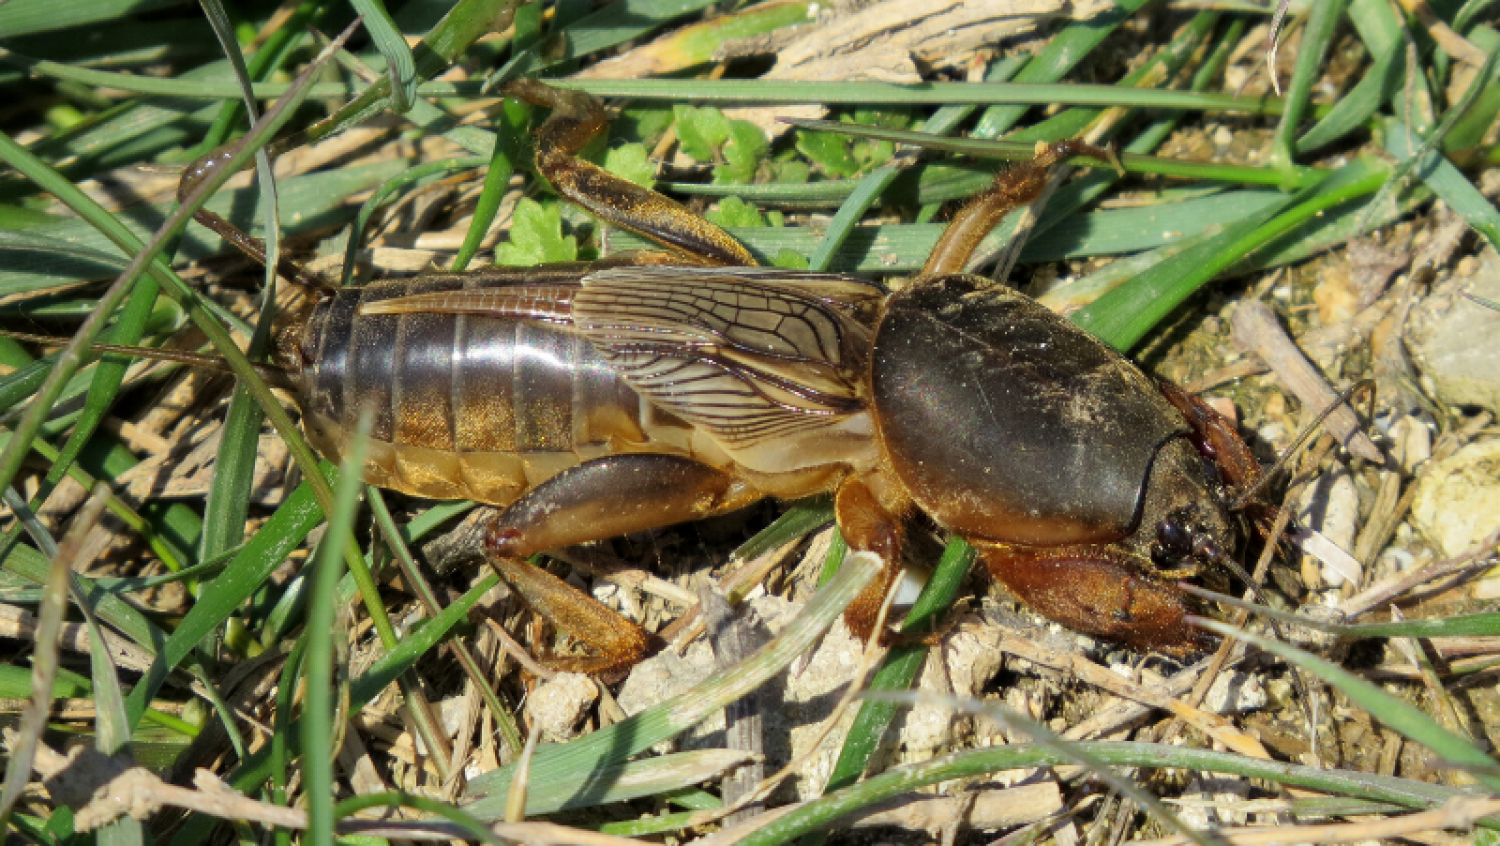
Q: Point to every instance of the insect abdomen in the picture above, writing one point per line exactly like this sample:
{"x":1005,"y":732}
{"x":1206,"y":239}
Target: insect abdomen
{"x":465,"y":407}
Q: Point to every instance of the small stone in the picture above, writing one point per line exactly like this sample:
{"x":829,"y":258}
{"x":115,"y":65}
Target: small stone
{"x":1458,"y":499}
{"x":1336,"y":296}
{"x":1235,"y":693}
{"x":1456,"y":341}
{"x":1331,"y":507}
{"x":559,"y":703}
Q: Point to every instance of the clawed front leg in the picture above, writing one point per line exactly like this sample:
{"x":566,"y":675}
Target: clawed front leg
{"x":1098,"y":591}
{"x":596,"y":500}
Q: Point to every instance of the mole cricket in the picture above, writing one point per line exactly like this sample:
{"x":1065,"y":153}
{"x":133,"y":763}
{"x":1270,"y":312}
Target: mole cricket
{"x":655,"y":388}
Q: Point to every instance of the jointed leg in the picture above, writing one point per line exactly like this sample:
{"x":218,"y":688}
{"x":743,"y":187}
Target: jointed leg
{"x":867,"y":525}
{"x":597,"y":500}
{"x":1014,"y":187}
{"x":1098,"y":591}
{"x":577,"y":117}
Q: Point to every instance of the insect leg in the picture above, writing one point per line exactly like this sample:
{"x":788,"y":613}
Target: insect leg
{"x":1097,"y":591}
{"x":576,"y":118}
{"x":200,"y":170}
{"x":1217,"y":437}
{"x":600,"y":499}
{"x":1014,"y":187}
{"x":867,"y":525}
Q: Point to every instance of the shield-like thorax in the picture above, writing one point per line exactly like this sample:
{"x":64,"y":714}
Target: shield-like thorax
{"x":1005,"y":422}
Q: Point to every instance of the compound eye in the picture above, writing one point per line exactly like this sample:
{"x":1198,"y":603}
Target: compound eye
{"x":1173,"y":536}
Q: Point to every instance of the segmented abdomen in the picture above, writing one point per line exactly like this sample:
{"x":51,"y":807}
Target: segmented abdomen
{"x":464,"y":406}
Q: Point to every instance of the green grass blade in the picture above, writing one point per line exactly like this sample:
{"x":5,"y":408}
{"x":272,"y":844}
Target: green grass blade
{"x":610,"y":26}
{"x":401,"y":66}
{"x":1316,"y":36}
{"x":1123,"y":316}
{"x":922,"y":94}
{"x":318,"y":666}
{"x":1448,"y":182}
{"x":1403,"y":718}
{"x":824,"y":811}
{"x":1352,"y":110}
{"x":1063,"y":52}
{"x":572,"y":765}
{"x":385,"y":193}
{"x":284,"y":532}
{"x":805,"y":516}
{"x":21,"y":17}
{"x":1023,"y":151}
{"x":869,"y":190}
{"x":466,"y":22}
{"x":72,"y":356}
{"x":902,"y":665}
{"x":125,"y":618}
{"x":511,"y":122}
{"x":227,"y":511}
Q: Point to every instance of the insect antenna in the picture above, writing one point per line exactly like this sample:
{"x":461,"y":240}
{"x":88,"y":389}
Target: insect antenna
{"x":245,"y":243}
{"x":275,"y":376}
{"x":1302,"y":439}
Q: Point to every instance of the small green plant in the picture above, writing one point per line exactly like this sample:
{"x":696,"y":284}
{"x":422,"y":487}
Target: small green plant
{"x":536,"y":236}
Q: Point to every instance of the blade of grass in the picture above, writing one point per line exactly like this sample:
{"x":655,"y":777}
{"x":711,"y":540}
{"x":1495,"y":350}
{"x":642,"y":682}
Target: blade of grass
{"x":870,"y":188}
{"x":611,"y":25}
{"x":1123,"y":316}
{"x":23,"y":17}
{"x":900,"y":248}
{"x":125,"y":618}
{"x":1404,"y":719}
{"x":901,"y":665}
{"x":320,"y":200}
{"x":1316,"y":36}
{"x":735,"y":92}
{"x":386,"y":192}
{"x":923,"y":94}
{"x":401,"y":66}
{"x":227,"y":510}
{"x":510,"y":125}
{"x":1043,"y":737}
{"x":1360,"y":103}
{"x":264,"y":552}
{"x":269,"y":57}
{"x":826,"y":810}
{"x":255,"y":770}
{"x":318,"y":750}
{"x":1468,"y":625}
{"x":1440,"y":175}
{"x":806,"y":516}
{"x":465,"y":23}
{"x":45,"y":656}
{"x":1063,"y":52}
{"x":1023,"y":151}
{"x":72,"y":356}
{"x":572,"y":765}
{"x":418,"y":584}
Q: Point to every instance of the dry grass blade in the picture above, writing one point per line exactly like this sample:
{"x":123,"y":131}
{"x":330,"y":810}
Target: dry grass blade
{"x":23,"y":743}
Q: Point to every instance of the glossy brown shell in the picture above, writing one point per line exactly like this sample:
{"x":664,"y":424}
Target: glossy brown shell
{"x":1007,"y":423}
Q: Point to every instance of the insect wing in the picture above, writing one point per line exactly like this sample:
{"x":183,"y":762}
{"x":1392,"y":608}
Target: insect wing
{"x":743,"y":354}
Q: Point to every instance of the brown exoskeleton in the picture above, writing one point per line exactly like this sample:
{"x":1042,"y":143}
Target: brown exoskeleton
{"x":652,"y":389}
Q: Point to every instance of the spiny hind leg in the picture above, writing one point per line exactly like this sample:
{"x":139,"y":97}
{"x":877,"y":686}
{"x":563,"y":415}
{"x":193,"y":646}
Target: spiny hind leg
{"x":576,"y":118}
{"x":597,"y":500}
